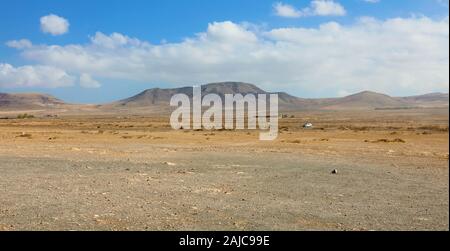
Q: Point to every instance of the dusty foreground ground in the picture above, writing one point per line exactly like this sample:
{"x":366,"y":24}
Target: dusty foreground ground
{"x":135,"y":173}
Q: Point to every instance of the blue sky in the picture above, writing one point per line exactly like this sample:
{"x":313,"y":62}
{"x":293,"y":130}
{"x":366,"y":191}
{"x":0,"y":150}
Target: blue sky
{"x":276,"y":40}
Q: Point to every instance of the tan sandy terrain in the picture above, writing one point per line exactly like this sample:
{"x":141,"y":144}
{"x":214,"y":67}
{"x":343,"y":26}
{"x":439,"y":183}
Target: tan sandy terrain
{"x":136,"y":173}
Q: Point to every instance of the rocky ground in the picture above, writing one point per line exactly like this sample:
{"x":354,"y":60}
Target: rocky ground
{"x":135,"y":173}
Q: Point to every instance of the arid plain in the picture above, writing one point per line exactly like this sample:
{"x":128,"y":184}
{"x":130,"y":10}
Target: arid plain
{"x":133,"y":172}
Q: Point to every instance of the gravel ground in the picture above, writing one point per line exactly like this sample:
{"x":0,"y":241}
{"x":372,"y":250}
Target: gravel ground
{"x":194,"y":190}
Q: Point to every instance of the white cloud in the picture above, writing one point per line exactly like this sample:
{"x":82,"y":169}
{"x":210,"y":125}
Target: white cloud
{"x":286,"y":10}
{"x":54,"y":24}
{"x":397,"y":56}
{"x":326,"y":8}
{"x":19,"y":44}
{"x":228,"y":32}
{"x":87,"y":81}
{"x":33,"y":76}
{"x":113,"y":41}
{"x":316,"y":8}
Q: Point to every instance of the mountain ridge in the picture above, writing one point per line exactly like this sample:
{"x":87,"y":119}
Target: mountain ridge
{"x":360,"y":100}
{"x":160,"y":98}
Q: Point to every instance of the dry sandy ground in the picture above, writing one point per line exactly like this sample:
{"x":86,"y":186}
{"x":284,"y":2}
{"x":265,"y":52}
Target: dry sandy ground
{"x":135,"y":173}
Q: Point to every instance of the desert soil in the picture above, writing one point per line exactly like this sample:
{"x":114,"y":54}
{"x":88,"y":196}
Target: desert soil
{"x":136,"y":173}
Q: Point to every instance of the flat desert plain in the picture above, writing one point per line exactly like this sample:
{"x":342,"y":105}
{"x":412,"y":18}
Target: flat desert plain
{"x":135,"y":173}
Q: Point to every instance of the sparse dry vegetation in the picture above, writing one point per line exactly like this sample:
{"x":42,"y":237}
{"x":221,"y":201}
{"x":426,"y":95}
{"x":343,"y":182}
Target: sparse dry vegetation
{"x":25,"y":116}
{"x":111,"y":172}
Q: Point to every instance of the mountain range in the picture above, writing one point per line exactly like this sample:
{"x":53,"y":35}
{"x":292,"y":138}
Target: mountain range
{"x":157,"y":99}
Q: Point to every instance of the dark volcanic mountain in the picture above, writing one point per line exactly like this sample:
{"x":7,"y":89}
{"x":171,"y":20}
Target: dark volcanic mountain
{"x":157,"y":96}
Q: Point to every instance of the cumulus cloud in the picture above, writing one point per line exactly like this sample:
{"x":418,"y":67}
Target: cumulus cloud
{"x":397,"y":56}
{"x":33,"y":76}
{"x":316,"y":8}
{"x":19,"y":44}
{"x":113,"y":41}
{"x":286,"y":10}
{"x":54,"y":25}
{"x":326,"y":8}
{"x":87,"y":81}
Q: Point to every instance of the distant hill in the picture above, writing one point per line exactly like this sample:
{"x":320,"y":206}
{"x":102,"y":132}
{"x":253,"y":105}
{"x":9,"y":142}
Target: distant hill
{"x":436,"y":99}
{"x":28,"y":101}
{"x":365,"y":100}
{"x":358,"y":101}
{"x":157,"y":100}
{"x":157,"y":96}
